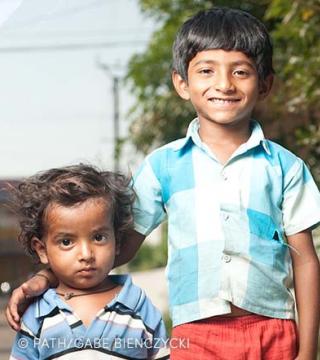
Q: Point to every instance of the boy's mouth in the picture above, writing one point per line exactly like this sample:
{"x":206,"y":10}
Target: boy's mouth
{"x":87,"y":270}
{"x":223,"y":100}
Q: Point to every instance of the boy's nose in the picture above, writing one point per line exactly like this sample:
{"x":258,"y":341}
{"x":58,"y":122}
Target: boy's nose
{"x":85,"y":252}
{"x":223,"y":83}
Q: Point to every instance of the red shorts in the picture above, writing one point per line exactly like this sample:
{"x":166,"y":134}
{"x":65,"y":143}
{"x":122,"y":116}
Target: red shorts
{"x":249,"y":337}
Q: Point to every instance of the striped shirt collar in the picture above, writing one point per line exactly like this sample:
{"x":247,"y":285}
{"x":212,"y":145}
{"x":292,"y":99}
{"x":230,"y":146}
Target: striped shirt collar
{"x":256,"y":138}
{"x":51,"y":301}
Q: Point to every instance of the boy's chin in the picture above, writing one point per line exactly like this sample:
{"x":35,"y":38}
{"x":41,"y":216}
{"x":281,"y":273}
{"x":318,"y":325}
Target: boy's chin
{"x":221,"y":121}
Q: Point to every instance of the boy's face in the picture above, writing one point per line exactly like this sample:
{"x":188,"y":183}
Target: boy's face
{"x":223,"y":86}
{"x":79,"y":243}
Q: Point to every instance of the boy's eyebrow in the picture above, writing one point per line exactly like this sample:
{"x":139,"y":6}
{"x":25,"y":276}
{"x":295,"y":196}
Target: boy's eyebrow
{"x":63,"y":233}
{"x":233,"y":63}
{"x":99,"y":228}
{"x":102,"y":228}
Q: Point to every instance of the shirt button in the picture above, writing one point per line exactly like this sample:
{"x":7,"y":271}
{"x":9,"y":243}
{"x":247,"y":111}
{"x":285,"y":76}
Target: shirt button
{"x":226,"y":258}
{"x":225,"y":217}
{"x":224,"y":176}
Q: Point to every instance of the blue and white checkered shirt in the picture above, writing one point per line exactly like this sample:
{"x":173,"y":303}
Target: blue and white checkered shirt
{"x":129,"y":327}
{"x":227,"y":224}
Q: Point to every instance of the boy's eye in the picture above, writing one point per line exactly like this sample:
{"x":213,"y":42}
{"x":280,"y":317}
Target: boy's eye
{"x":100,"y":237}
{"x":206,"y":71}
{"x":65,"y":242}
{"x":241,"y":73}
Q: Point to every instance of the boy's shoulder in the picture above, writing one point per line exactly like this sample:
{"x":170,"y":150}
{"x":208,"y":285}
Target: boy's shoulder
{"x":32,"y":318}
{"x":137,"y":302}
{"x":277,"y":149}
{"x":281,"y":156}
{"x":158,"y":161}
{"x":172,"y":146}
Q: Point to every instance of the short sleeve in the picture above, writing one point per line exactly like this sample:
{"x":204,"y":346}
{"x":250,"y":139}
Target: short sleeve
{"x":148,"y":209}
{"x":24,"y":346}
{"x":301,"y":200}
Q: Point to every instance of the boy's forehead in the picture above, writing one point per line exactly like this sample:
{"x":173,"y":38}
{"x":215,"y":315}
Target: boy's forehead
{"x":56,"y":209}
{"x":220,"y":56}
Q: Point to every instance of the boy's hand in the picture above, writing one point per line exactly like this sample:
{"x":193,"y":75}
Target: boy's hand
{"x":22,"y":297}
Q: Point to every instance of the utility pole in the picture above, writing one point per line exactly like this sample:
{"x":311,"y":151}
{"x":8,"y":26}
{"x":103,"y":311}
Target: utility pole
{"x":116,"y":124}
{"x":116,"y":110}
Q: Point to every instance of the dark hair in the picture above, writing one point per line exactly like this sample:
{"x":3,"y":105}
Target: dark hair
{"x":226,"y":29}
{"x":69,"y":186}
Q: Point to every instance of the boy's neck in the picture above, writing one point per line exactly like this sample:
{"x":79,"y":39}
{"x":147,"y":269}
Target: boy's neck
{"x":87,"y":306}
{"x":223,"y":140}
{"x":104,"y":285}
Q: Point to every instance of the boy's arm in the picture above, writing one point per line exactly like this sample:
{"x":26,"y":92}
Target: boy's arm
{"x":22,"y":296}
{"x":306,"y":272}
{"x":129,"y":247}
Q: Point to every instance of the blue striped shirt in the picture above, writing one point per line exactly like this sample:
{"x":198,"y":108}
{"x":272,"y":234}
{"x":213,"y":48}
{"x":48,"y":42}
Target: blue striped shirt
{"x":227,"y":224}
{"x":129,"y":327}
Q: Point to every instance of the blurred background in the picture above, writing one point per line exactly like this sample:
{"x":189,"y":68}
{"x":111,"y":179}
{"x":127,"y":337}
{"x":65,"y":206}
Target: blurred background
{"x":89,"y":81}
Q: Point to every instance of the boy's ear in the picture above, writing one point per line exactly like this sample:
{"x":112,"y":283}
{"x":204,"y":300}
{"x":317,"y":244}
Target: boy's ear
{"x":180,"y":85}
{"x":39,"y":247}
{"x":265,"y":87}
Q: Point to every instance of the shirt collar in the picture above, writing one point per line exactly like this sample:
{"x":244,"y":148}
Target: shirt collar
{"x":128,"y":296}
{"x":256,"y":137}
{"x":192,"y":133}
{"x":48,"y":302}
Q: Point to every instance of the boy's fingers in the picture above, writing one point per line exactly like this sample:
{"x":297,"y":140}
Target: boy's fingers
{"x":15,"y":325}
{"x":17,"y":299}
{"x":13,"y":309}
{"x":21,"y":297}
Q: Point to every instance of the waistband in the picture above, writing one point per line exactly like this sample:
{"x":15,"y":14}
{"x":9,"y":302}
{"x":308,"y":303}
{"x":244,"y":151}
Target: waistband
{"x":234,"y":321}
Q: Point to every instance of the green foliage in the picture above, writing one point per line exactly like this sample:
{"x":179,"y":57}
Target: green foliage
{"x":297,"y":46}
{"x":309,"y":138}
{"x":150,"y":256}
{"x":167,"y":322}
{"x":291,"y":116}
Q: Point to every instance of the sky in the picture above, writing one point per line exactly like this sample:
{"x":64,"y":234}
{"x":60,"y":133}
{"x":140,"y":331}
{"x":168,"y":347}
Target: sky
{"x":56,"y":106}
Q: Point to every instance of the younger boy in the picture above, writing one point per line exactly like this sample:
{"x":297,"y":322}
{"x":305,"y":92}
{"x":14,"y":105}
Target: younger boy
{"x":73,"y":219}
{"x":240,"y":208}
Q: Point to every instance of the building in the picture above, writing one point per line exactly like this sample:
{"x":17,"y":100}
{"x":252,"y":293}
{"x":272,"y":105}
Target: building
{"x":15,"y":265}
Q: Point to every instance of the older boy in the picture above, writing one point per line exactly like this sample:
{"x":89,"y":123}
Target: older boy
{"x":240,"y":208}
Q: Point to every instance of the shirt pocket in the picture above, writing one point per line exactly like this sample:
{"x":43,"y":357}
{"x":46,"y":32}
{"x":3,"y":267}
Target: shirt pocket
{"x":267,"y":245}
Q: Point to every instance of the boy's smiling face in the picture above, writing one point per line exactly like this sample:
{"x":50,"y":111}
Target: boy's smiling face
{"x":223,"y":86}
{"x":79,"y":243}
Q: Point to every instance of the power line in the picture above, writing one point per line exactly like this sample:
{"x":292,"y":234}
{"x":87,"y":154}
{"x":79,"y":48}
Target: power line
{"x":71,"y":47}
{"x":5,"y":33}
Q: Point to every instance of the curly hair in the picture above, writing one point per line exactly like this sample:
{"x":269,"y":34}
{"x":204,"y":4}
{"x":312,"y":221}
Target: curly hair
{"x":69,"y":186}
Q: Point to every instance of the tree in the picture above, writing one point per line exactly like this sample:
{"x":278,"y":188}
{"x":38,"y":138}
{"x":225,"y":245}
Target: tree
{"x":297,"y":48}
{"x":290,"y":116}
